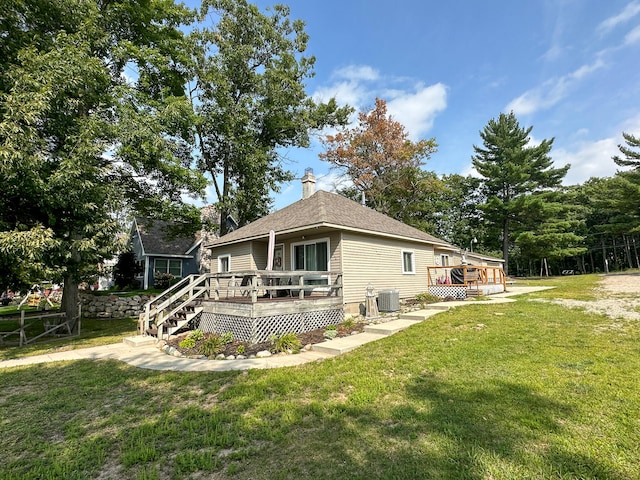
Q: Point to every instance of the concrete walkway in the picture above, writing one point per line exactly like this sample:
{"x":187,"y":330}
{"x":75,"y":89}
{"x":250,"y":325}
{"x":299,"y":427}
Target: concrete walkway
{"x":141,"y":352}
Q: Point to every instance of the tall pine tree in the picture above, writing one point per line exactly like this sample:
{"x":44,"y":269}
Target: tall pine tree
{"x":512,"y":170}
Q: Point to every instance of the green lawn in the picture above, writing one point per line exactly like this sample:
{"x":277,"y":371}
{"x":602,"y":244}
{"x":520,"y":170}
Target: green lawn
{"x":526,"y":390}
{"x":93,"y":332}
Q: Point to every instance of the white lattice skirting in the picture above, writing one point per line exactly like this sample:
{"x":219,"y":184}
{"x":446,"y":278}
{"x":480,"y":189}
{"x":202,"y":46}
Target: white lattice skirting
{"x":259,"y":329}
{"x":444,"y":291}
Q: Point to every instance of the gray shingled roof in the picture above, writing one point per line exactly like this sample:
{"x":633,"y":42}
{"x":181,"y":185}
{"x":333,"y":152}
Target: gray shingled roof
{"x":155,"y":239}
{"x":324,"y":209}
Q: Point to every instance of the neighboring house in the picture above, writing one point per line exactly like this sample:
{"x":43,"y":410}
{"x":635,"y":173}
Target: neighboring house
{"x":157,"y":252}
{"x":328,"y":232}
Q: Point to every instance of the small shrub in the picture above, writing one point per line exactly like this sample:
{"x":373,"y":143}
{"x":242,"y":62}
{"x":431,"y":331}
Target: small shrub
{"x":330,"y":334}
{"x":196,"y":335}
{"x":240,"y":350}
{"x":187,"y":343}
{"x":214,"y":344}
{"x":285,"y":342}
{"x":427,"y":298}
{"x":348,"y":323}
{"x":162,"y":281}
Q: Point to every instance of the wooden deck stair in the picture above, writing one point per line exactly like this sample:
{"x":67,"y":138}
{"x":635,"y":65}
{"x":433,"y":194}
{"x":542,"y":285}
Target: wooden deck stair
{"x":182,"y":318}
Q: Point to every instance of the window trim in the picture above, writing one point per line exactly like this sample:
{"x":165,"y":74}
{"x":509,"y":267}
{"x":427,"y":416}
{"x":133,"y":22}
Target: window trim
{"x":413,"y":262}
{"x":292,"y":249}
{"x":310,"y":242}
{"x":228,"y":257}
{"x":168,"y":270}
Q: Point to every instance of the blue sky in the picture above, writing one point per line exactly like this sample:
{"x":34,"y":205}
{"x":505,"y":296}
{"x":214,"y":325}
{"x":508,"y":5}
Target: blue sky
{"x":569,"y":68}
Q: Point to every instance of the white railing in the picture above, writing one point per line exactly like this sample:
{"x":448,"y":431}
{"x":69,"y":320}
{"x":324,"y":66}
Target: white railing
{"x":174,"y":299}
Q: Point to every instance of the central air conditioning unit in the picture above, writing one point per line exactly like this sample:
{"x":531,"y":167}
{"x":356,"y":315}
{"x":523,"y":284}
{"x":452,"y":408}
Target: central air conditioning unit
{"x":389,"y":300}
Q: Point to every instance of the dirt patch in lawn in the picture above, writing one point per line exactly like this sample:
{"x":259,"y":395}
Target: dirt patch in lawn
{"x":618,"y":297}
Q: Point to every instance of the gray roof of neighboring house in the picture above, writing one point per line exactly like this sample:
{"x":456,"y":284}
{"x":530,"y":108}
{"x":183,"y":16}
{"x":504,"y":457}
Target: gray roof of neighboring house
{"x":156,"y":240}
{"x":324,"y":209}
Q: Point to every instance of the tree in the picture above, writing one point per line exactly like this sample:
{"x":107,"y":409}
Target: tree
{"x":631,"y":157}
{"x":512,"y":170}
{"x":459,"y":218}
{"x":378,"y":157}
{"x":77,"y":140}
{"x":126,"y":270}
{"x":247,"y":93}
{"x":553,"y":233}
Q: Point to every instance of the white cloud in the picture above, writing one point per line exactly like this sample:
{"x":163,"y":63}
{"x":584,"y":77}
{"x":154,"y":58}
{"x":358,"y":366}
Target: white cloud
{"x":346,"y":93}
{"x":357,"y":72}
{"x":630,"y":11}
{"x":551,"y":91}
{"x":588,"y":159}
{"x":417,"y":111}
{"x":632,"y":37}
{"x":415,"y":107}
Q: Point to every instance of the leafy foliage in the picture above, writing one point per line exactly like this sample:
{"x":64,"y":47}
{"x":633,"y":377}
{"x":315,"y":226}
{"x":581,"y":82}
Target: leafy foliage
{"x":125,"y":271}
{"x":247,"y":92}
{"x":77,"y":141}
{"x":214,"y":343}
{"x":285,"y":342}
{"x":381,"y":161}
{"x":512,"y":171}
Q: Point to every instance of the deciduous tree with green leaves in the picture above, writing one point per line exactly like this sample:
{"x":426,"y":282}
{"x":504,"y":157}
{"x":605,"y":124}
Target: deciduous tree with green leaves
{"x":247,"y":90}
{"x":78,"y":140}
{"x":512,"y":170}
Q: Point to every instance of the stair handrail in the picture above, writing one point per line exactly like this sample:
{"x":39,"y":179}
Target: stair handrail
{"x":186,"y":285}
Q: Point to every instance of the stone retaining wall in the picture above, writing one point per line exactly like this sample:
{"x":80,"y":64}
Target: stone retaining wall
{"x":112,"y":306}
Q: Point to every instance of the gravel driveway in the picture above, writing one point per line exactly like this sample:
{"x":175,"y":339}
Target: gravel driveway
{"x":618,"y":297}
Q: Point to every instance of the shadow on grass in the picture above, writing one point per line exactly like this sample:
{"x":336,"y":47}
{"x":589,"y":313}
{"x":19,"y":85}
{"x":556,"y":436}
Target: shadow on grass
{"x":109,"y":420}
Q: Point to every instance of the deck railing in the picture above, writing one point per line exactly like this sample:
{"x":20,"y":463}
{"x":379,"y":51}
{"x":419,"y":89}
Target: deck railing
{"x":246,"y":286}
{"x":255,"y":284}
{"x":466,"y":275}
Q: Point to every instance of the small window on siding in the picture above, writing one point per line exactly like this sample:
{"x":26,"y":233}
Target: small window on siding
{"x":224,"y":263}
{"x":444,"y":260}
{"x":408,"y":263}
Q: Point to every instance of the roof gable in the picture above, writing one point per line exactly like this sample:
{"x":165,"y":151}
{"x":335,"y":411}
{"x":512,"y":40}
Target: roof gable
{"x":155,"y":239}
{"x":331,"y":210}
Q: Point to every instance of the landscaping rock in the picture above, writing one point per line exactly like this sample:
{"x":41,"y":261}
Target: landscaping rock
{"x":263,"y":354}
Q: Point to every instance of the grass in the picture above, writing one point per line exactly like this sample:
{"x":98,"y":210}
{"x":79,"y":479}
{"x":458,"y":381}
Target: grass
{"x":94,"y":332}
{"x":524,"y":390}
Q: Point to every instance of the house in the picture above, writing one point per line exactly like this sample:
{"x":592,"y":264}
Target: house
{"x":326,"y":232}
{"x":158,"y":252}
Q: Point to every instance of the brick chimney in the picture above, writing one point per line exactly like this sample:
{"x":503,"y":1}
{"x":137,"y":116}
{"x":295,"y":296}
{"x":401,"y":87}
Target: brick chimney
{"x":308,"y":183}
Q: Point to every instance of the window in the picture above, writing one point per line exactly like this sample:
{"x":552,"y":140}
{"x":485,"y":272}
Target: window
{"x":311,"y":256}
{"x":408,"y":265}
{"x":444,"y":260}
{"x":224,"y":263}
{"x":163,"y":265}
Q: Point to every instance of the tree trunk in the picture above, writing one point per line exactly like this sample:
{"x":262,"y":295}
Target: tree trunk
{"x":627,"y":250}
{"x":604,"y":256}
{"x":505,"y":245}
{"x":71,"y":299}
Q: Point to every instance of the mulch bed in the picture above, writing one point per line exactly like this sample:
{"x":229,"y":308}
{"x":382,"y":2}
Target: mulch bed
{"x":306,"y":338}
